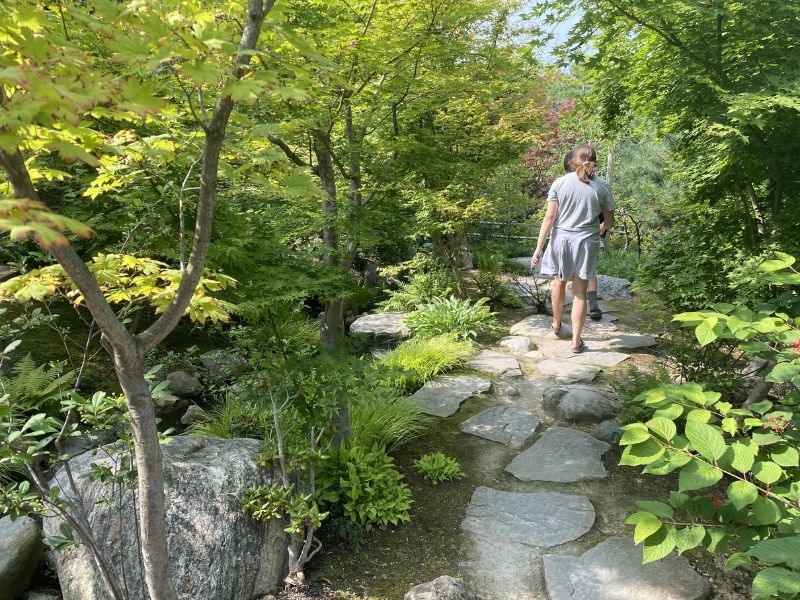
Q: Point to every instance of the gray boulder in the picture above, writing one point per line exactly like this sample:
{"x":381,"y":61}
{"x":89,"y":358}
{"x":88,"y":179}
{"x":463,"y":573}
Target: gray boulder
{"x":608,"y":431}
{"x":182,"y":383}
{"x":441,"y":588}
{"x":222,"y":364}
{"x":217,"y":552}
{"x":518,"y":344}
{"x":610,"y":288}
{"x":382,"y":326}
{"x":192,"y":415}
{"x":582,"y":403}
{"x":20,"y":552}
{"x":170,"y":403}
{"x":41,"y":596}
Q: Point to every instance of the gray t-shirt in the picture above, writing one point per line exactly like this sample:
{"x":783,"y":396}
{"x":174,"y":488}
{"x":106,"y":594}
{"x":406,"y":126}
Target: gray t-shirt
{"x":579,"y":203}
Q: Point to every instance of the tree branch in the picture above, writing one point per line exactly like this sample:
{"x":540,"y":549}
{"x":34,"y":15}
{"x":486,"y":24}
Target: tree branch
{"x":215,"y":133}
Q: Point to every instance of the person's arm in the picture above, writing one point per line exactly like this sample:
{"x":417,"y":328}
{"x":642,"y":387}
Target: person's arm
{"x":544,"y":231}
{"x":608,"y":222}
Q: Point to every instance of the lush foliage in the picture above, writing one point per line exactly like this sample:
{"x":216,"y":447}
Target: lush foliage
{"x":381,"y":417}
{"x":463,"y":319}
{"x":438,"y":467}
{"x":420,"y":359}
{"x":738,"y":466}
{"x":367,"y":486}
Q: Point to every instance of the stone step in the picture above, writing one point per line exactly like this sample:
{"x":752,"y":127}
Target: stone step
{"x":441,"y":397}
{"x":496,"y":363}
{"x":613,"y":570}
{"x":507,"y":424}
{"x":561,"y":455}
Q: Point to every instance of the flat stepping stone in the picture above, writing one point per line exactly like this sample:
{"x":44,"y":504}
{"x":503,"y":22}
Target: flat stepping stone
{"x":582,"y":403}
{"x":542,"y":519}
{"x":613,"y":570}
{"x":509,"y":425}
{"x":597,"y":353}
{"x":382,"y":325}
{"x":442,"y":396}
{"x":568,"y":371}
{"x":519,"y":344}
{"x":502,"y":570}
{"x":495,"y":362}
{"x":535,"y":326}
{"x":562,"y":455}
{"x":630,"y":341}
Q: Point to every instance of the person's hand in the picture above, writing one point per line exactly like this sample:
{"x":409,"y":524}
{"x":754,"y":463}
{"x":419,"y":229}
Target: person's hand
{"x":536,"y":259}
{"x":603,"y":230}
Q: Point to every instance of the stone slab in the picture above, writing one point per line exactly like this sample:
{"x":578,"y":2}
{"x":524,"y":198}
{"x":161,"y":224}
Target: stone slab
{"x":630,"y":341}
{"x":382,"y":325}
{"x":568,"y":371}
{"x":503,"y":570}
{"x":597,"y":353}
{"x":613,"y":570}
{"x":494,"y":362}
{"x":20,"y":551}
{"x":519,"y":344}
{"x":442,"y":396}
{"x":509,"y":425}
{"x":542,"y":519}
{"x":562,"y":455}
{"x":610,"y":288}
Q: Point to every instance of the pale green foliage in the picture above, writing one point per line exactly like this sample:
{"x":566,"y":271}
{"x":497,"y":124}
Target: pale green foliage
{"x":236,"y":417}
{"x":383,"y":418}
{"x":463,"y":319}
{"x":753,"y":453}
{"x":367,"y":486}
{"x":438,"y":467}
{"x":126,"y":279}
{"x":420,"y":289}
{"x":418,"y":360}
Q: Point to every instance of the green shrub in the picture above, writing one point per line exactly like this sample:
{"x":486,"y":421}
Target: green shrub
{"x":738,"y":481}
{"x":427,"y":277}
{"x":631,"y":384}
{"x":367,"y":487}
{"x":620,"y":263}
{"x":381,"y":417}
{"x":489,"y":283}
{"x":438,"y":467}
{"x":461,"y":318}
{"x":236,"y":417}
{"x":418,"y":360}
{"x":33,"y":388}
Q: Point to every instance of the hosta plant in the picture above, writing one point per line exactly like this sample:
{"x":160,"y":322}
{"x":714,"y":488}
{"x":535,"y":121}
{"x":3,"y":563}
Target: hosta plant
{"x":462,"y":318}
{"x":438,"y":467}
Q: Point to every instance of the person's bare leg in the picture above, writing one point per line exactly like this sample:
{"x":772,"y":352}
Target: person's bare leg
{"x":578,"y":309}
{"x":557,"y":292}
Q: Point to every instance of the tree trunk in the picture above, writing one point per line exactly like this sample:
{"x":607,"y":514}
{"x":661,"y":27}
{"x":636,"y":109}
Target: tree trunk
{"x":610,"y":167}
{"x":332,"y":332}
{"x":149,"y":474}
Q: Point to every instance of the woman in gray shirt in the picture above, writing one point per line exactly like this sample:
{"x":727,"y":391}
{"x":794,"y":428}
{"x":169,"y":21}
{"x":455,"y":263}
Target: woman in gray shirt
{"x":575,"y":202}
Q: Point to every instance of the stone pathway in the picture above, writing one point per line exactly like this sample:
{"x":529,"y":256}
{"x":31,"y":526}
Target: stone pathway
{"x":535,"y":533}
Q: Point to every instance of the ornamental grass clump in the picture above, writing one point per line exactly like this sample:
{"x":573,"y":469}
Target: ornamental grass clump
{"x":463,"y":319}
{"x":382,"y":417}
{"x":420,"y":359}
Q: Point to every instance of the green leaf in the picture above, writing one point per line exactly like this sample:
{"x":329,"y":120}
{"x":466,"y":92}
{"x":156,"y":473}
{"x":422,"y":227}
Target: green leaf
{"x":778,"y":551}
{"x":645,"y":528}
{"x":742,"y":493}
{"x":783,"y":371}
{"x":659,"y":545}
{"x":634,"y":434}
{"x":660,"y":509}
{"x":698,"y":475}
{"x":767,"y":472}
{"x":739,"y":559}
{"x":671,"y":412}
{"x":786,"y":457}
{"x":743,"y":457}
{"x":707,"y":440}
{"x":642,"y":453}
{"x":663,"y":427}
{"x":765,"y":512}
{"x":689,"y":537}
{"x":705,"y":331}
{"x":716,"y":540}
{"x":775,"y":580}
{"x":729,"y":425}
{"x":781,"y":262}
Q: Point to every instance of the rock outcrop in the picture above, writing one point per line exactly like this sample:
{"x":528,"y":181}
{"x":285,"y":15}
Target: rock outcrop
{"x":217,"y":552}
